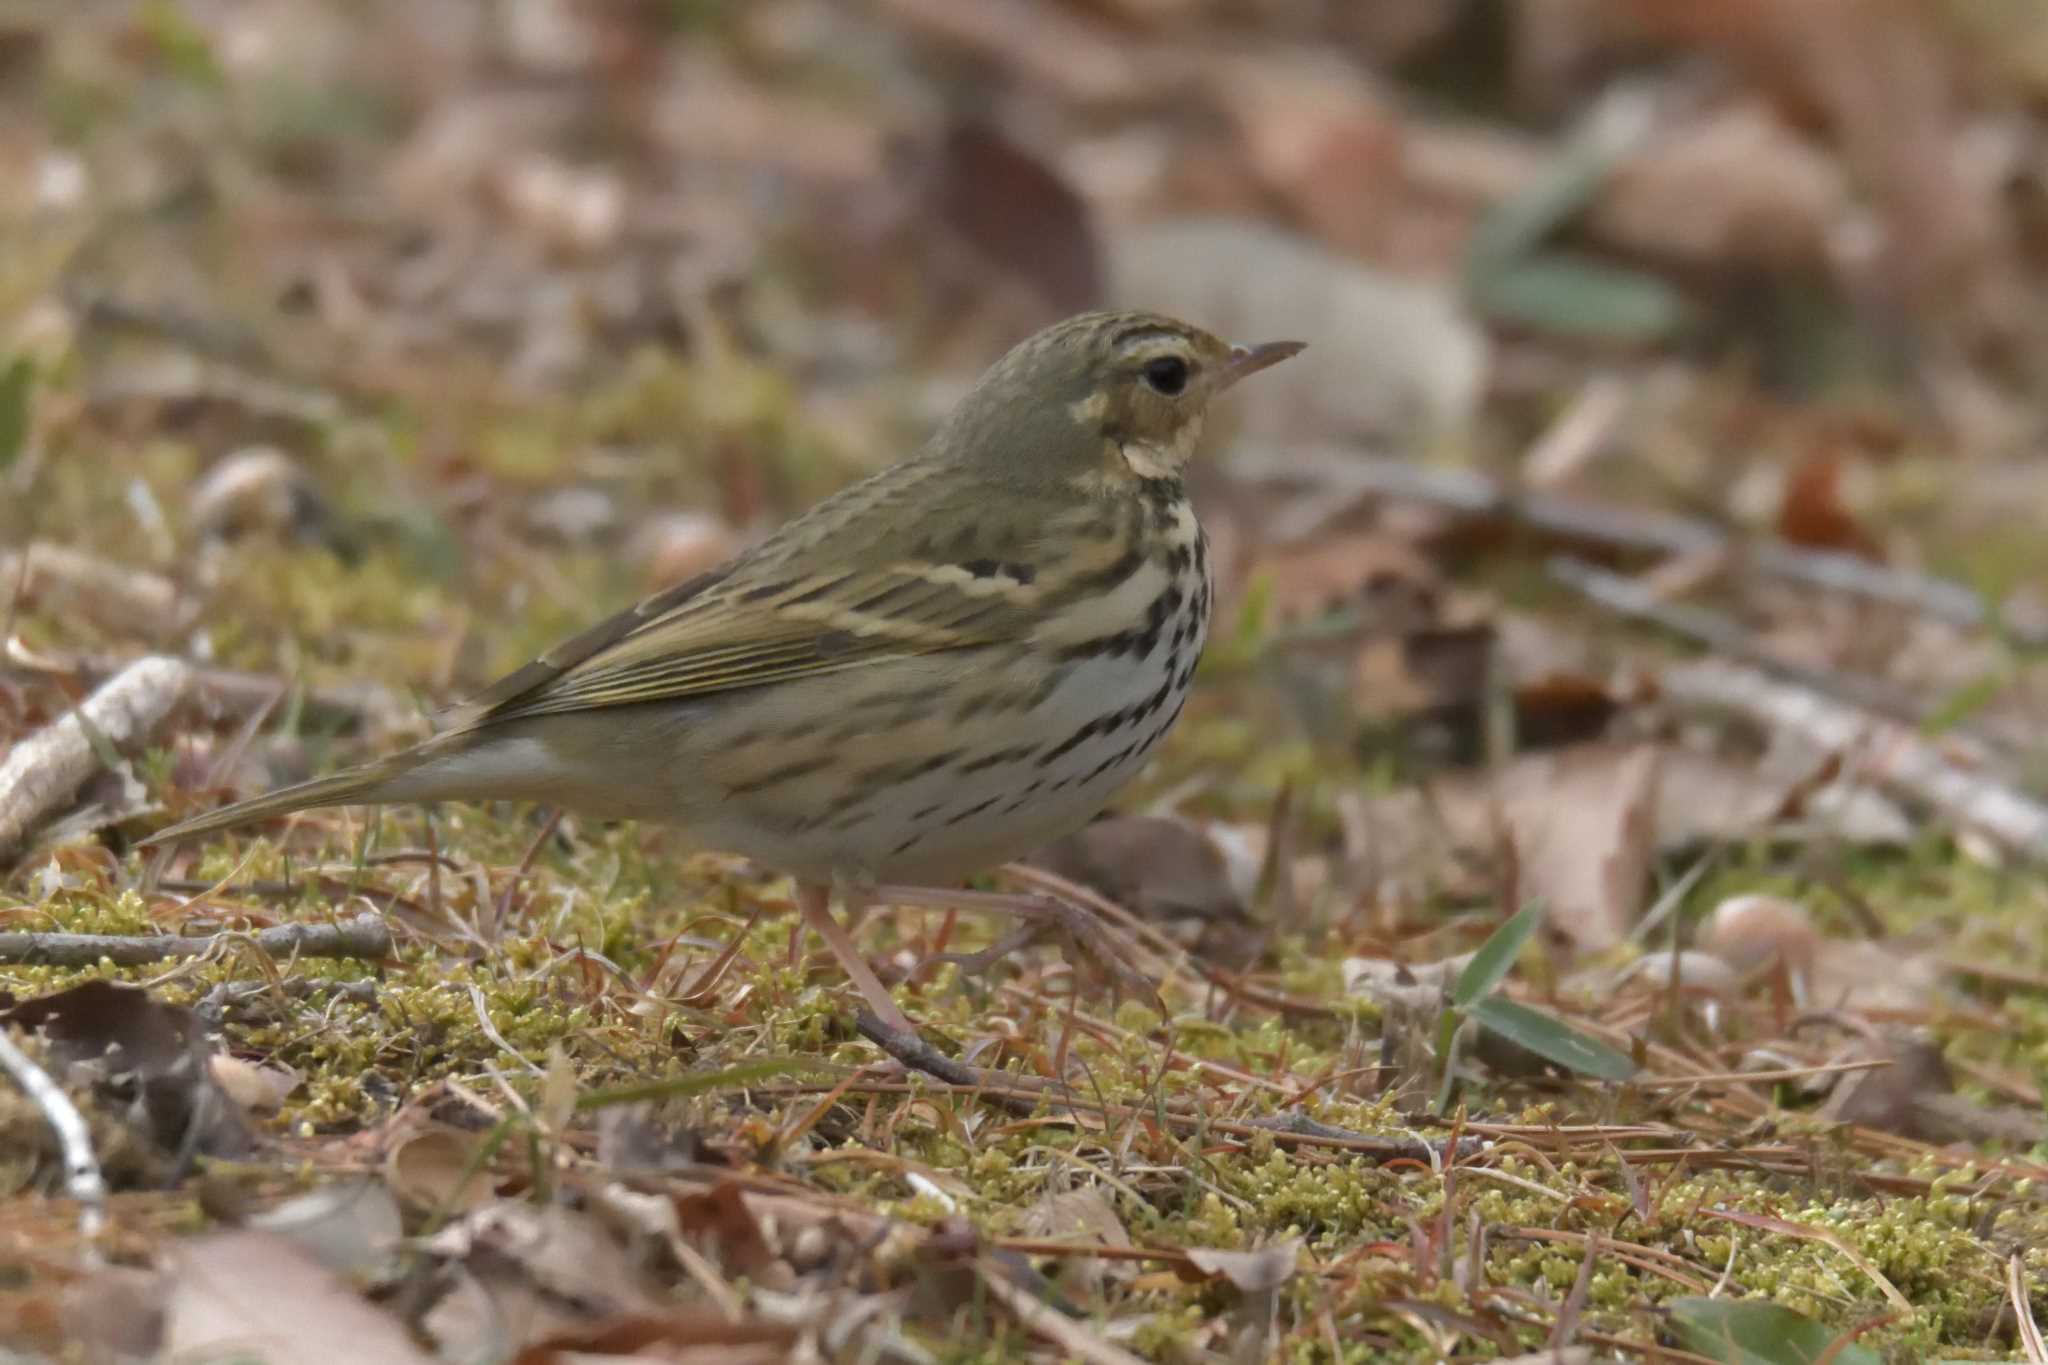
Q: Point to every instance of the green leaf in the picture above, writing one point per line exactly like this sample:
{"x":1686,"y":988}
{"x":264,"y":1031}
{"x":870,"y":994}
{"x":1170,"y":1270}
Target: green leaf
{"x":1758,"y":1332}
{"x":1552,"y":1039}
{"x":17,"y":388}
{"x":1490,"y":965}
{"x":1571,"y":296}
{"x":1954,"y":709}
{"x":1447,"y":1033}
{"x":1572,"y":181}
{"x":183,"y":46}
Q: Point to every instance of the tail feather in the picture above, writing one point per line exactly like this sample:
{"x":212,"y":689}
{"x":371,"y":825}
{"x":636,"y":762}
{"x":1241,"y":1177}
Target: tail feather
{"x":368,"y":784}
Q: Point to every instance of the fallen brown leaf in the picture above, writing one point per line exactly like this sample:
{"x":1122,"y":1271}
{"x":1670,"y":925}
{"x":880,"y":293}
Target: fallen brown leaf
{"x":1250,"y":1272}
{"x":1081,"y":1215}
{"x":143,"y":1053}
{"x":1156,"y":867}
{"x":255,"y":1296}
{"x":438,"y":1168}
{"x":1582,"y":823}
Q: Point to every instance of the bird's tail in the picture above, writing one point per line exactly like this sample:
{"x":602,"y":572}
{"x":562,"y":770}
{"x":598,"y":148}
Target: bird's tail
{"x":383,"y":780}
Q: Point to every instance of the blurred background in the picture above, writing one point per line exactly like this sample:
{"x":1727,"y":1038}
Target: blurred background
{"x":374,"y":345}
{"x":1652,"y":531}
{"x":377,"y":344}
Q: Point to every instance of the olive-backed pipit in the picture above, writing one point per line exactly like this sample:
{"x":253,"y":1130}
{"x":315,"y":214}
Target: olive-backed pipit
{"x":944,"y":666}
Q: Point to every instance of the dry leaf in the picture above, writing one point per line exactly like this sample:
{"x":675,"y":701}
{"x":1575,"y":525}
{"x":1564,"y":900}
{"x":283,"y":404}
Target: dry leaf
{"x":1813,"y":513}
{"x":1383,"y":578}
{"x":256,"y":1297}
{"x":1251,"y":1272}
{"x":1320,"y":139}
{"x":719,"y":1221}
{"x":1734,"y":187}
{"x":1582,"y":823}
{"x":1017,"y":216}
{"x":261,"y":1087}
{"x":117,"y":1314}
{"x":1083,"y":1215}
{"x":150,"y":1057}
{"x":1153,"y":866}
{"x":437,"y":1168}
{"x":1881,"y":77}
{"x":352,"y":1227}
{"x":534,"y":1273}
{"x":1889,"y":1097}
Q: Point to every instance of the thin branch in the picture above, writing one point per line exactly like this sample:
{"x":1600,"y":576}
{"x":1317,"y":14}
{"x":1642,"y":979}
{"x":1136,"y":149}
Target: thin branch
{"x":1873,"y":749}
{"x":1072,"y":1338}
{"x":346,"y":706}
{"x":1024,"y":1094}
{"x":122,"y":597}
{"x":1359,"y":474}
{"x":365,"y":936}
{"x":2023,"y":1310}
{"x":46,"y":770}
{"x":82,"y":1178}
{"x":1723,"y":634}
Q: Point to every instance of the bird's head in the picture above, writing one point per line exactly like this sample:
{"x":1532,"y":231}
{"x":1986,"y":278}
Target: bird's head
{"x":1100,"y":399}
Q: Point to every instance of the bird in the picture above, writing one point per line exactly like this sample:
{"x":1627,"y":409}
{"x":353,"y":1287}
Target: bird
{"x":944,"y":666}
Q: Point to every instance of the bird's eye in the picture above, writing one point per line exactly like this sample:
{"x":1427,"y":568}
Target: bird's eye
{"x":1168,"y":375}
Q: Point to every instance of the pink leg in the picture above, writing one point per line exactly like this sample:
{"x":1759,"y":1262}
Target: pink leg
{"x":816,"y":904}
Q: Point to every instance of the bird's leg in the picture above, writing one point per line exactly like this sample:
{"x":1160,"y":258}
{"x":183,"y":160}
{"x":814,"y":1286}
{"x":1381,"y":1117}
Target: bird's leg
{"x":815,"y":901}
{"x":1080,"y":928}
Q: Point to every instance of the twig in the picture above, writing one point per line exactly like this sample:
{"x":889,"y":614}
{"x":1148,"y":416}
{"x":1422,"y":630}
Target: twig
{"x":1360,"y":474}
{"x":82,"y":1178}
{"x":504,"y":911}
{"x":45,"y":770}
{"x":1072,"y":1338}
{"x":1023,"y":1095}
{"x":915,"y":1053}
{"x":241,"y":368}
{"x":1723,"y":634}
{"x":344,"y":706}
{"x":121,"y":597}
{"x":2023,"y":1310}
{"x":1873,"y":749}
{"x":365,"y":936}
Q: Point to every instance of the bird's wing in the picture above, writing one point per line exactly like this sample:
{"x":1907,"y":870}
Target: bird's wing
{"x":813,"y":600}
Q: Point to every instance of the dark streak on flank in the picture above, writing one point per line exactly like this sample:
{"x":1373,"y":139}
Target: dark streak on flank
{"x":970,"y":812}
{"x":788,"y":772}
{"x":1016,"y":753}
{"x":905,"y":770}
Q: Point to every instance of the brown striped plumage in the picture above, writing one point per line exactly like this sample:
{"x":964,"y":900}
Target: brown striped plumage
{"x":942,"y":667}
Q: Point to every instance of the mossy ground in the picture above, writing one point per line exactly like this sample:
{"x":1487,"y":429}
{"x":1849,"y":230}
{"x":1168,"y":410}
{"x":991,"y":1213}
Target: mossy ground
{"x":577,"y":949}
{"x":612,"y":960}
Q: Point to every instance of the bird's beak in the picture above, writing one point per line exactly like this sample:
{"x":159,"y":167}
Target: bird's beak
{"x":1246,"y":360}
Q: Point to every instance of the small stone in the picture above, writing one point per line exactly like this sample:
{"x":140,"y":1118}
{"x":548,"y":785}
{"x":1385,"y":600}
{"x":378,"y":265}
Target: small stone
{"x":257,"y":489}
{"x":674,"y":546}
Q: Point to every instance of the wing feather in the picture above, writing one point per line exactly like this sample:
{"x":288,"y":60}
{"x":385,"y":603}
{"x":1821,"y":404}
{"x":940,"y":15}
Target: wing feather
{"x":725,"y":641}
{"x":818,"y":597}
